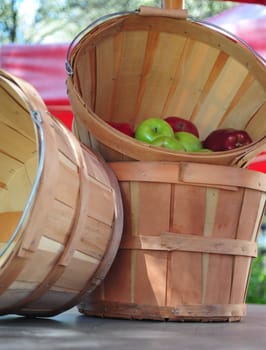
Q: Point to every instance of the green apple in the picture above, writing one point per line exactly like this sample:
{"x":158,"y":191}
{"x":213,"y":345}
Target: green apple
{"x":168,"y":142}
{"x":207,"y":150}
{"x":190,"y":142}
{"x":150,"y":128}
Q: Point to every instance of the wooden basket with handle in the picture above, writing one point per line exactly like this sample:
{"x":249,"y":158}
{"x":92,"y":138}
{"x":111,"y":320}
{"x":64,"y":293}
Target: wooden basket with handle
{"x":61,"y":213}
{"x":158,"y":62}
{"x":189,"y":238}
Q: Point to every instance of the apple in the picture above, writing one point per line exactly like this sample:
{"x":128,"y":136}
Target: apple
{"x":204,"y":150}
{"x":181,"y":124}
{"x":125,"y":128}
{"x":150,"y":128}
{"x":190,"y":142}
{"x":168,"y":142}
{"x":226,"y":139}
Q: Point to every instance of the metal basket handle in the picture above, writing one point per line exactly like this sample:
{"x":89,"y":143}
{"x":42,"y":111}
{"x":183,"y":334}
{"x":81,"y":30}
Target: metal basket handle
{"x":142,"y":11}
{"x":68,"y":67}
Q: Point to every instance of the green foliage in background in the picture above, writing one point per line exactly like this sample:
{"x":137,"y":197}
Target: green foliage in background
{"x":45,"y":21}
{"x":257,"y":285}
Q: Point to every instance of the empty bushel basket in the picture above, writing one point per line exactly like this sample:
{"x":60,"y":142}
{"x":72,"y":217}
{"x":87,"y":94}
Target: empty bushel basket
{"x":135,"y":66}
{"x":61,"y":212}
{"x":189,"y":238}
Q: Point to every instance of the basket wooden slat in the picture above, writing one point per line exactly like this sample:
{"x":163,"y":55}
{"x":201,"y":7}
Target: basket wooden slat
{"x":135,"y":67}
{"x":187,"y":244}
{"x":57,"y":241}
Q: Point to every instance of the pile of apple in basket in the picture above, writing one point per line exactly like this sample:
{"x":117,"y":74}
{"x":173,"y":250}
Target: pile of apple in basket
{"x":182,"y":135}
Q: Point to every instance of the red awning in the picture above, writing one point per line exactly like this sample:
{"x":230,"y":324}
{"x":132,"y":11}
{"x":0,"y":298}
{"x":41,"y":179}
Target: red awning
{"x":247,"y":22}
{"x":259,"y":163}
{"x":43,"y":66}
{"x":262,"y":2}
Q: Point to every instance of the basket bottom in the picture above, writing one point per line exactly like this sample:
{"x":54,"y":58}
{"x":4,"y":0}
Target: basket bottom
{"x":196,"y":313}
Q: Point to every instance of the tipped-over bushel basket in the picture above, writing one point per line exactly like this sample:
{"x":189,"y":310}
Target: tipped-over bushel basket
{"x":189,"y":237}
{"x":61,"y":212}
{"x":140,"y":65}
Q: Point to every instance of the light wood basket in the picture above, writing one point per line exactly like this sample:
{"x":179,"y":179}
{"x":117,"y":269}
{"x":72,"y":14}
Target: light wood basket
{"x":189,"y":239}
{"x":61,"y":213}
{"x":155,"y":63}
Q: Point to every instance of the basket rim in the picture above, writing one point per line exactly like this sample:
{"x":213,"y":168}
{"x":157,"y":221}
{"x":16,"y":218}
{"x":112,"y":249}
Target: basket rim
{"x":220,"y":176}
{"x":235,"y":42}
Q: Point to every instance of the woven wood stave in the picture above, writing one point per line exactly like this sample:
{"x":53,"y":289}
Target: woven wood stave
{"x":68,"y":239}
{"x":135,"y":67}
{"x":187,"y":244}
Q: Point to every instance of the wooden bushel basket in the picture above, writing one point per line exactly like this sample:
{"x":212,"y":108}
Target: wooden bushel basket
{"x":61,"y":213}
{"x":189,"y":238}
{"x":156,"y":63}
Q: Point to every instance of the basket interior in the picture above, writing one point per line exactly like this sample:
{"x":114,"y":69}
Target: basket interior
{"x":18,"y":159}
{"x":134,"y":67}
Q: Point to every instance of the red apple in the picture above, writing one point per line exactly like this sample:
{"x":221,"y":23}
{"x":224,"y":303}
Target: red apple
{"x":125,"y":128}
{"x":181,"y":124}
{"x":226,"y":139}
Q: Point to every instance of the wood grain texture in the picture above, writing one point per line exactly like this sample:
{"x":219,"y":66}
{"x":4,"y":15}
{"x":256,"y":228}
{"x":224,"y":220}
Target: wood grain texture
{"x":71,"y":232}
{"x":147,"y":66}
{"x":187,"y":245}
